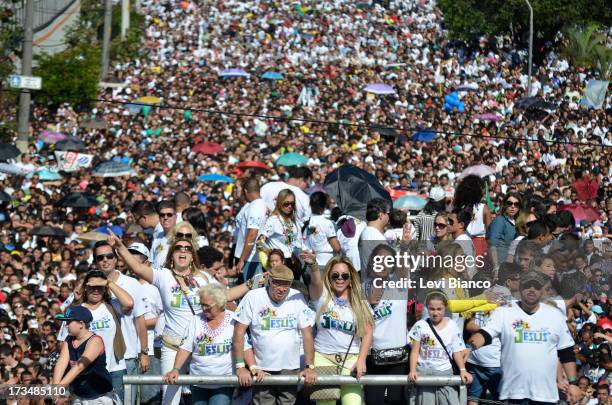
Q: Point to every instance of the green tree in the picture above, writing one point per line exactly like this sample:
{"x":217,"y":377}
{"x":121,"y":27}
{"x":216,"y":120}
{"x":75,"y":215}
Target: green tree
{"x":469,"y":19}
{"x":581,"y":43}
{"x":69,"y":77}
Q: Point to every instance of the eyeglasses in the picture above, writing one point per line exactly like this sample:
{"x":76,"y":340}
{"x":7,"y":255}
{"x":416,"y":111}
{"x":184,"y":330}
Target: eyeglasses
{"x":17,"y":306}
{"x":289,"y":204}
{"x":108,"y":256}
{"x":513,"y":204}
{"x":184,"y":235}
{"x":166,"y":214}
{"x":183,"y":248}
{"x":336,"y":276}
{"x":440,"y":225}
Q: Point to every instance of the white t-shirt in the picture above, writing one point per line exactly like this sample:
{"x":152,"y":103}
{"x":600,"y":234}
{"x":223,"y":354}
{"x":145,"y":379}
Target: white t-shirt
{"x":104,"y":326}
{"x":252,"y":216}
{"x":176,"y":308}
{"x":270,"y":191}
{"x":274,"y":327}
{"x":211,"y":350}
{"x":335,"y":327}
{"x":490,"y":355}
{"x":153,"y":302}
{"x":529,"y":350}
{"x":368,"y":242}
{"x":159,"y":247}
{"x":318,"y":232}
{"x":128,"y":328}
{"x":467,"y":245}
{"x":390,"y":323}
{"x":284,"y":236}
{"x":431,"y":353}
{"x":350,"y":246}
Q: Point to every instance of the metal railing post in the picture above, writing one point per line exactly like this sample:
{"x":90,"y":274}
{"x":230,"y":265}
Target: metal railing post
{"x":463,"y":394}
{"x":127,"y":392}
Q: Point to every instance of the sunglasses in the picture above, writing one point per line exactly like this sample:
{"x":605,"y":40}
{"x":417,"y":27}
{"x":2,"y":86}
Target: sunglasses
{"x":183,"y":248}
{"x":531,"y":284}
{"x":288,"y":204}
{"x":440,"y":225}
{"x":17,"y":306}
{"x":344,"y":276}
{"x":451,"y":222}
{"x":166,"y":214}
{"x":513,"y":204}
{"x":108,"y":256}
{"x":184,"y":235}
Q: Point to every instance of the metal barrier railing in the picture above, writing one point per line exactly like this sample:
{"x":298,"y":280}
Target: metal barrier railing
{"x":428,"y":381}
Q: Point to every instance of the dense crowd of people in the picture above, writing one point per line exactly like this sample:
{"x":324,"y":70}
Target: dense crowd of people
{"x":162,"y":273}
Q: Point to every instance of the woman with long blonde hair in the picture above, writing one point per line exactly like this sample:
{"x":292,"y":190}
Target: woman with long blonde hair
{"x":344,"y":322}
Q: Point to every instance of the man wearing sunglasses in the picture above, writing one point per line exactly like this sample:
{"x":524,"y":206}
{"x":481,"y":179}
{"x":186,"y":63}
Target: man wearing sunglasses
{"x":133,"y":324}
{"x":162,"y":218}
{"x":534,"y":336}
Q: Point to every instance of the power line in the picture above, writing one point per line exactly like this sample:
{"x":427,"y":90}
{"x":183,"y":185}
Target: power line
{"x":373,"y":127}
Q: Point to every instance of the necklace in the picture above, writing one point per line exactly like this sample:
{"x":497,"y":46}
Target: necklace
{"x":287,"y":231}
{"x":213,"y":333}
{"x":341,"y":302}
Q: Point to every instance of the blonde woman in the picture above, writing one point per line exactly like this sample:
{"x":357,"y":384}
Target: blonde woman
{"x":282,"y":232}
{"x":178,"y":283}
{"x":344,"y":322}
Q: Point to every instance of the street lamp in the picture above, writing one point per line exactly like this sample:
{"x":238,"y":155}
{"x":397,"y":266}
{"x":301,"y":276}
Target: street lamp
{"x":530,"y":48}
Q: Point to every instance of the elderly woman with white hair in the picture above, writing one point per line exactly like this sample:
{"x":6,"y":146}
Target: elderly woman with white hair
{"x":208,"y":341}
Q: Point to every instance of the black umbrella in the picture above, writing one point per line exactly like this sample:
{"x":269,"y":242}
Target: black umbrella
{"x":542,"y":105}
{"x":385,"y":131}
{"x":352,"y":188}
{"x":49,"y":231}
{"x":8,"y":152}
{"x":526,"y":102}
{"x":4,"y":197}
{"x":78,"y":200}
{"x":94,"y":124}
{"x":72,"y":144}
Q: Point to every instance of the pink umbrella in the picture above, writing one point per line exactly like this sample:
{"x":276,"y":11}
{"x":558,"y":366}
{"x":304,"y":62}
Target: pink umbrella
{"x":488,"y":117}
{"x":581,"y":212}
{"x":477,"y":170}
{"x":379,"y":88}
{"x":51,"y":137}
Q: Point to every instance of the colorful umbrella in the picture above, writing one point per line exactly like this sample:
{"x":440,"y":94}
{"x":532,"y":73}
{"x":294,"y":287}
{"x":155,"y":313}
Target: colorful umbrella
{"x":291,"y":159}
{"x":424,"y":136}
{"x":410,"y":202}
{"x":477,"y":170}
{"x":272,"y":76}
{"x":51,"y":137}
{"x":208,"y":148}
{"x":581,"y":212}
{"x":379,"y":88}
{"x":71,"y":144}
{"x":215,"y":177}
{"x":46,"y":174}
{"x":8,"y":152}
{"x":112,"y":169}
{"x":233,"y":73}
{"x":252,"y":164}
{"x":148,"y":100}
{"x":12,"y":168}
{"x":488,"y":117}
{"x":116,"y":229}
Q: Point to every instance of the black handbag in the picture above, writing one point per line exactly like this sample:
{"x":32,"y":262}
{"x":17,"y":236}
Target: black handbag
{"x":450,"y":358}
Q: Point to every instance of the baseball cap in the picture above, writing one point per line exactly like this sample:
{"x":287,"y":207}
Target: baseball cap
{"x":78,"y":313}
{"x":437,"y":194}
{"x":139,"y":248}
{"x":533,"y":276}
{"x":281,"y":272}
{"x":598,"y":310}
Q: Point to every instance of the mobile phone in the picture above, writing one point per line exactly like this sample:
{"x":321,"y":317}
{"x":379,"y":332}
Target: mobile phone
{"x":257,"y":280}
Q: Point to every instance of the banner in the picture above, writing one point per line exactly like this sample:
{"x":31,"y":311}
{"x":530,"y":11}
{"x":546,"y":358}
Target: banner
{"x":595,"y":94}
{"x":72,"y":161}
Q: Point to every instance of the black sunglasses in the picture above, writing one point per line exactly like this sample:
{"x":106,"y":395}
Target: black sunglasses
{"x":166,"y":214}
{"x":440,"y":225}
{"x":288,"y":204}
{"x":513,"y":204}
{"x":108,"y":256}
{"x":184,"y":235}
{"x":336,"y":276}
{"x":182,"y":248}
{"x":530,"y":284}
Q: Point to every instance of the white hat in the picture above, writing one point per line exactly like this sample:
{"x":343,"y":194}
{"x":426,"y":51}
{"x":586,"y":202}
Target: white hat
{"x":437,"y":194}
{"x":139,"y":248}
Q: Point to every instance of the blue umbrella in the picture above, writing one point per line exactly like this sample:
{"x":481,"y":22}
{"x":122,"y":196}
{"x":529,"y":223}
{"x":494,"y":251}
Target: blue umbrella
{"x":424,"y":136}
{"x":291,"y":159}
{"x":117,"y":230}
{"x":234,"y":72}
{"x":134,"y":108}
{"x":215,"y":177}
{"x":112,"y":169}
{"x":46,"y":175}
{"x":410,"y":202}
{"x":272,"y":76}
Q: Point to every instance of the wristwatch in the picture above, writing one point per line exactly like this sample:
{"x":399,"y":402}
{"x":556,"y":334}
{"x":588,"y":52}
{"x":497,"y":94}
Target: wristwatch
{"x":310,"y":366}
{"x":145,"y":351}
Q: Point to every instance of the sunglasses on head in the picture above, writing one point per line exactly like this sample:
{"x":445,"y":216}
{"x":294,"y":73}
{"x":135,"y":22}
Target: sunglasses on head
{"x":531,"y":284}
{"x":182,"y":248}
{"x":166,"y":214}
{"x":344,"y":276}
{"x":440,"y":225}
{"x":108,"y":256}
{"x":184,"y":235}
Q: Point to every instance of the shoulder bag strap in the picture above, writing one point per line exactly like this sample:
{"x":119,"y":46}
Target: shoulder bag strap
{"x":440,"y":340}
{"x":346,"y":354}
{"x":183,"y":292}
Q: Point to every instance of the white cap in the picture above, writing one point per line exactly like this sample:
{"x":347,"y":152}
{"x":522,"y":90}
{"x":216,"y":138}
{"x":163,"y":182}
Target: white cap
{"x":139,"y":248}
{"x":437,"y":194}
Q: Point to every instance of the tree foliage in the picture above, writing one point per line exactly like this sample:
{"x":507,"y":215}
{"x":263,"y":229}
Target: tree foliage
{"x":586,"y":46}
{"x":69,"y":77}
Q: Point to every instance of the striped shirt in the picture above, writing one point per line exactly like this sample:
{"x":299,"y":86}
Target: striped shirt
{"x":424,"y":224}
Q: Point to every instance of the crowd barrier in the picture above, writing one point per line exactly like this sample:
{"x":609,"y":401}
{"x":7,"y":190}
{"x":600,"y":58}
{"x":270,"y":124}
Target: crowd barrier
{"x":130,"y":381}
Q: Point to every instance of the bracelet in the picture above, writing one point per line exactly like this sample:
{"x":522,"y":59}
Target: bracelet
{"x":253,"y":367}
{"x":249,"y":283}
{"x":240,"y":365}
{"x":176,"y":369}
{"x":462,"y":369}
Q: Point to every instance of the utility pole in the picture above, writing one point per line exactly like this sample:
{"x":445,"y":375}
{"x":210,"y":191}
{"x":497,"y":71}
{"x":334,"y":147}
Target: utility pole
{"x":125,"y":18}
{"x":108,"y":20}
{"x":530,"y":47}
{"x":26,"y":70}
